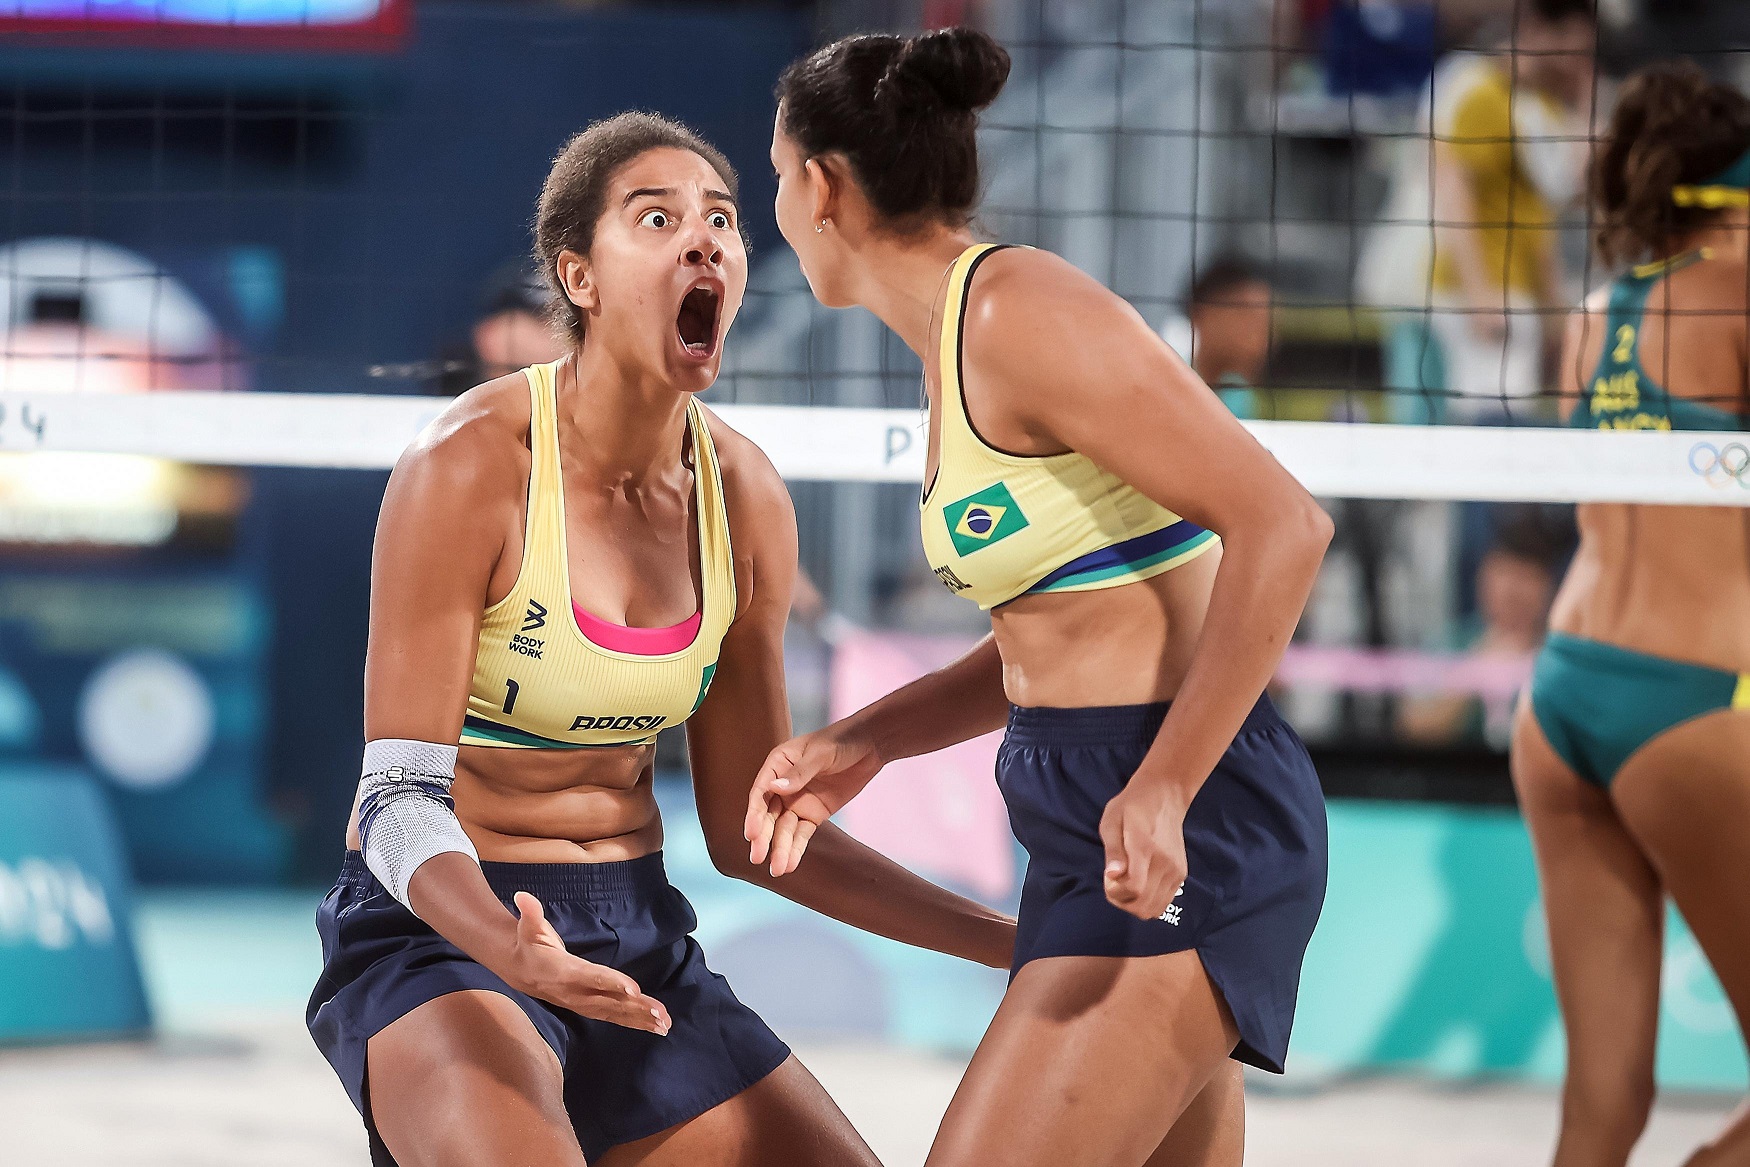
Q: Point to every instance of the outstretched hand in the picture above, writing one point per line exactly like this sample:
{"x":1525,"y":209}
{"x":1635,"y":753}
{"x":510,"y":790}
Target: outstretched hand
{"x":803,"y":783}
{"x":541,"y":967}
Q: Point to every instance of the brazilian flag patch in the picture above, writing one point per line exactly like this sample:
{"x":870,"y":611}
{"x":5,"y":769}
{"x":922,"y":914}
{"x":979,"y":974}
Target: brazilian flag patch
{"x":978,"y":520}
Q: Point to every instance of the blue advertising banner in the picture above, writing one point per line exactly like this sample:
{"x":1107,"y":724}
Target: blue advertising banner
{"x":67,"y":963}
{"x":1432,"y":956}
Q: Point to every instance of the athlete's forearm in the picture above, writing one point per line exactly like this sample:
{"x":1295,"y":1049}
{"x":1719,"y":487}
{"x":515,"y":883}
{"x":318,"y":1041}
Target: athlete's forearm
{"x":450,"y":893}
{"x":956,"y":703}
{"x":859,"y":886}
{"x":1260,"y":590}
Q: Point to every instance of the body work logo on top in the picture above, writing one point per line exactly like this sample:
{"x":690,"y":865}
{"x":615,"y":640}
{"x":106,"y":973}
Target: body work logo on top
{"x":535,"y":617}
{"x":978,"y":520}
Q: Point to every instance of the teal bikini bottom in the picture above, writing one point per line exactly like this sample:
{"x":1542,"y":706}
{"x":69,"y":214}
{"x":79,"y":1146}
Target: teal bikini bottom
{"x":1597,"y":703}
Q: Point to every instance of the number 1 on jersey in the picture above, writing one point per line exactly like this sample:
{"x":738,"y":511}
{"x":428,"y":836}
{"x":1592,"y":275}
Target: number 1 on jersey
{"x":510,"y":696}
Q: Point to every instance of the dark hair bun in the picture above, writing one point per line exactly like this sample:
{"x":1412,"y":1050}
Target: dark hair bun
{"x":958,"y":69}
{"x":904,"y":113}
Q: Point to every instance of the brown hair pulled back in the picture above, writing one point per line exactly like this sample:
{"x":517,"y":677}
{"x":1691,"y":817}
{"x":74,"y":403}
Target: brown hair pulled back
{"x":904,"y":113}
{"x":1672,"y":127}
{"x":576,"y":191}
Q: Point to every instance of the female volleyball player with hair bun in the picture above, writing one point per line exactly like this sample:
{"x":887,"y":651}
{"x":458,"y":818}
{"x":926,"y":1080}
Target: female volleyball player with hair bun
{"x":1078,"y":476}
{"x":1630,"y":752}
{"x":508,"y":975}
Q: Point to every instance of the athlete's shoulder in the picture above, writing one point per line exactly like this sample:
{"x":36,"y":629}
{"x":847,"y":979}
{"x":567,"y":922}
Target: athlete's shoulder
{"x":751,"y":485}
{"x":1029,"y":267}
{"x":478,"y":440}
{"x":1016,"y":285}
{"x":762,"y":519}
{"x":756,"y":501}
{"x":1026,"y":303}
{"x":1046,"y":338}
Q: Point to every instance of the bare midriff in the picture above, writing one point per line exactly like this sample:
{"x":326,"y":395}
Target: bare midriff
{"x":555,"y":806}
{"x":1670,"y":581}
{"x":1126,"y":645}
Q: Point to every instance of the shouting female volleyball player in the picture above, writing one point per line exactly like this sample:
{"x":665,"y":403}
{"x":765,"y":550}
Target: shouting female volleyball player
{"x":1175,"y":827}
{"x":1630,"y":753}
{"x":554,"y":582}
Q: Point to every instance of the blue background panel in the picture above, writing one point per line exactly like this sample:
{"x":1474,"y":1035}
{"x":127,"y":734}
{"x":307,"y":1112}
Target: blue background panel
{"x":67,"y":964}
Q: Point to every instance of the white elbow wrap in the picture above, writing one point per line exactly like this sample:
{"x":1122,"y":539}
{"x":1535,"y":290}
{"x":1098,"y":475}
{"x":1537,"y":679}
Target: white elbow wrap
{"x":406,"y":814}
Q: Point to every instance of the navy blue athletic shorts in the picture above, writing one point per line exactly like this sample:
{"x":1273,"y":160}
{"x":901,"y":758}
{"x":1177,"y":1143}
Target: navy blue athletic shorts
{"x":380,"y":962}
{"x":1254,"y":841}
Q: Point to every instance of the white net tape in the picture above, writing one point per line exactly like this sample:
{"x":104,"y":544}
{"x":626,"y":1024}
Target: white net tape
{"x":1333,"y":460}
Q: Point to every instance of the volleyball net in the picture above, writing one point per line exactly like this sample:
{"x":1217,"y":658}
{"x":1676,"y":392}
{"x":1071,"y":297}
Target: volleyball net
{"x":871,"y":445}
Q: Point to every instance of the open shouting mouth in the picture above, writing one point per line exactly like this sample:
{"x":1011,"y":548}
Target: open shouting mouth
{"x":696,"y":324}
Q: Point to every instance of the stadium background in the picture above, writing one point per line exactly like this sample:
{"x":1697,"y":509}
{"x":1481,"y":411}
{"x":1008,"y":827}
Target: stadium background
{"x":334,"y":198}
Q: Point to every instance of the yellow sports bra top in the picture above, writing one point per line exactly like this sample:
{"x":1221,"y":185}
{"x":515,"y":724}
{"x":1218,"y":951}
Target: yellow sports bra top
{"x":998,"y":525}
{"x":550,"y":675}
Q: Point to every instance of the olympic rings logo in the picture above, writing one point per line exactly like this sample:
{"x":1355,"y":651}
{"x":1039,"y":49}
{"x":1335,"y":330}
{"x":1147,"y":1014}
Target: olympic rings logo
{"x":1721,"y":465}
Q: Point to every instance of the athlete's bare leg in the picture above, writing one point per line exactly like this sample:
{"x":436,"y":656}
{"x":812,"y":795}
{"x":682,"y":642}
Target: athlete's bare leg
{"x":1606,"y":914}
{"x":1212,"y":1131}
{"x":466,"y":1081}
{"x":785,"y":1119}
{"x":1089,"y":1063}
{"x":1685,"y":796}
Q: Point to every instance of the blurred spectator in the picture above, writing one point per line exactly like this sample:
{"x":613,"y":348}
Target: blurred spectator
{"x":1515,"y":583}
{"x":1225,"y":333}
{"x":1502,"y":172}
{"x":1509,"y":150}
{"x":510,"y":333}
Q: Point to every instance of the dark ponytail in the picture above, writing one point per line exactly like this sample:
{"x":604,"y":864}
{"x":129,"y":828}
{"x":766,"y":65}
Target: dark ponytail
{"x":904,"y":112}
{"x":1672,"y":127}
